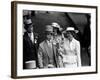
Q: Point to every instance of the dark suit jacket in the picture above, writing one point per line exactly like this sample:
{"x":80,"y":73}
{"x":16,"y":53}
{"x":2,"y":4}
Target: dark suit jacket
{"x":29,"y":49}
{"x":43,"y":55}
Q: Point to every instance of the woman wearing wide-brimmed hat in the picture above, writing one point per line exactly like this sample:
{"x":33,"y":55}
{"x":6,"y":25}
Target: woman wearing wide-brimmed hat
{"x":58,"y":39}
{"x":71,"y":46}
{"x":57,"y":33}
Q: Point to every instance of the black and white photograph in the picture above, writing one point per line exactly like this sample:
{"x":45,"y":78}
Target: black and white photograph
{"x":54,"y":39}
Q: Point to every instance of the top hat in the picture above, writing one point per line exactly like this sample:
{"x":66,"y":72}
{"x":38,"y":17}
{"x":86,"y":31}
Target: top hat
{"x":56,"y":25}
{"x":71,"y":29}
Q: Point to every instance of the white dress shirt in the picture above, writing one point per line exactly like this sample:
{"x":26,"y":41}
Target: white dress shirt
{"x":31,"y":35}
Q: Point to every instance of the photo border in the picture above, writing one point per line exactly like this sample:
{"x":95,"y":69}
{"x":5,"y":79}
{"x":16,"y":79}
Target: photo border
{"x":14,"y":37}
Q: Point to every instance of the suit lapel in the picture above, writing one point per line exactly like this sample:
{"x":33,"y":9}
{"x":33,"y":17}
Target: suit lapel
{"x":46,"y":47}
{"x":54,"y":50}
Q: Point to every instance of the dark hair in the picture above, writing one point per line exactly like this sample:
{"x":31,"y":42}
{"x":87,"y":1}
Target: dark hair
{"x":59,"y":32}
{"x":26,"y":26}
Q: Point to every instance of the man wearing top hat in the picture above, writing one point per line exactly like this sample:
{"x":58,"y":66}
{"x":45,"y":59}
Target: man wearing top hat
{"x":47,"y":55}
{"x":71,"y":48}
{"x":29,"y":50}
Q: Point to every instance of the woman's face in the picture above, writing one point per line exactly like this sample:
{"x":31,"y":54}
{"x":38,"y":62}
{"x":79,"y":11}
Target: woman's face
{"x":69,"y":35}
{"x":55,"y":31}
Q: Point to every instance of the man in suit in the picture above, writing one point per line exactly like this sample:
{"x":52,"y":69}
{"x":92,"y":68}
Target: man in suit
{"x":29,"y":49}
{"x":47,"y":52}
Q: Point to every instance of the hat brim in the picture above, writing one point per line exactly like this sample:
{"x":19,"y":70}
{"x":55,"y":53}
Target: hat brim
{"x":30,"y":24}
{"x":60,"y":29}
{"x":76,"y":31}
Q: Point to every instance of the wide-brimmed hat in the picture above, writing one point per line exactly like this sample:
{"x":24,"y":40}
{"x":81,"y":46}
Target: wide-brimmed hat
{"x":71,"y":29}
{"x":49,"y":28}
{"x":56,"y":25}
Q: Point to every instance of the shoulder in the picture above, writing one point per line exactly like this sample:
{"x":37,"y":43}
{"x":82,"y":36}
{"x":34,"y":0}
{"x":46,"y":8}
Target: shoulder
{"x":76,"y":41}
{"x":42,"y":43}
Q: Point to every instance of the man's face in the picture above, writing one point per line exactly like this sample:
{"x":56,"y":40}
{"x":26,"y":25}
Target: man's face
{"x":49,"y":35}
{"x":30,"y":28}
